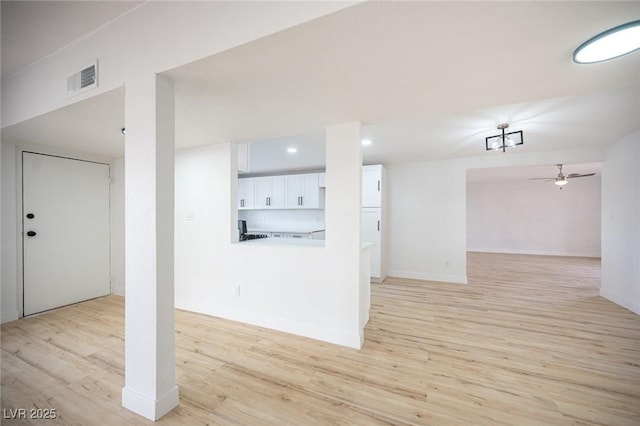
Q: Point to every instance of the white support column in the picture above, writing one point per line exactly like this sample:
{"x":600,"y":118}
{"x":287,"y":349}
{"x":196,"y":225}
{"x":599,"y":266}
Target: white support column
{"x":150,"y":384}
{"x":343,"y":212}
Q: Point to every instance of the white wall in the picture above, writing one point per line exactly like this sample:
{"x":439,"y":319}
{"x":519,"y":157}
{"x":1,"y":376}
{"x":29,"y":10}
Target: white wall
{"x":533,"y":217}
{"x":262,"y":218}
{"x":426,"y":221}
{"x":9,"y":290}
{"x":621,"y":223}
{"x":310,"y":291}
{"x":426,"y":229}
{"x":117,"y":227}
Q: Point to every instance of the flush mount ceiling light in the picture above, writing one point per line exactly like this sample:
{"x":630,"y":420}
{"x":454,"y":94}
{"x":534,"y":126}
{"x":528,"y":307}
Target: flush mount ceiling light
{"x":366,"y":142}
{"x":292,"y":150}
{"x":504,"y":140}
{"x":609,"y":44}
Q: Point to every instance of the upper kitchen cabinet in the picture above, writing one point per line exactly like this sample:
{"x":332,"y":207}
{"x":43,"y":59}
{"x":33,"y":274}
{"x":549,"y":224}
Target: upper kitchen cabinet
{"x":246,"y":193}
{"x":372,"y":181}
{"x":242,"y":150}
{"x":302,"y":191}
{"x":270,"y":192}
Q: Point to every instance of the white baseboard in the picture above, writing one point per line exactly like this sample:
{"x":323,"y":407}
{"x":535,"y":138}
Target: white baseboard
{"x":152,"y":409}
{"x":633,"y":306}
{"x":9,"y":316}
{"x":447,"y":278}
{"x":538,"y":252}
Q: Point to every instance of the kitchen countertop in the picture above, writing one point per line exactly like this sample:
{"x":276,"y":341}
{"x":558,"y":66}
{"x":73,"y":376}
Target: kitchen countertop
{"x":291,"y":242}
{"x":294,"y":229}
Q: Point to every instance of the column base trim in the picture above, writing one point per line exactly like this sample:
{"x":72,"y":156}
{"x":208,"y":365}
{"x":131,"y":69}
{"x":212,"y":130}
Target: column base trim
{"x":152,"y":409}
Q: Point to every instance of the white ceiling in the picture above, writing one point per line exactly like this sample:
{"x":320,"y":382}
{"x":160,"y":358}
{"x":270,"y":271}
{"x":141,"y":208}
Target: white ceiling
{"x":32,"y":30}
{"x":429,"y":80}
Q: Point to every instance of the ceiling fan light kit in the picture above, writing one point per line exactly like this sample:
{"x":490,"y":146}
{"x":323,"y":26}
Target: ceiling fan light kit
{"x":561,"y":181}
{"x":504,"y":140}
{"x":610,"y":44}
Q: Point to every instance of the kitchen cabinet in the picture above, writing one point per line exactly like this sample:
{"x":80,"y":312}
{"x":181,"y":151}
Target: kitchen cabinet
{"x":372,"y":180}
{"x":372,"y":224}
{"x":246,"y":193}
{"x":302,"y":191}
{"x":371,"y":232}
{"x":270,"y":192}
{"x":243,"y":157}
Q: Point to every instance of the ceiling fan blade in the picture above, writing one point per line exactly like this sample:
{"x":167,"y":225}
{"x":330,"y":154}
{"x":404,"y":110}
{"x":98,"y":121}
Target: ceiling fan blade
{"x":576,"y":175}
{"x":545,"y":179}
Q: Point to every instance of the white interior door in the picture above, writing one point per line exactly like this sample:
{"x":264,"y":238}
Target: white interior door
{"x":65,"y":217}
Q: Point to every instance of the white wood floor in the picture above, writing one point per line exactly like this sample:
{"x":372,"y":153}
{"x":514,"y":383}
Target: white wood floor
{"x":527,"y":341}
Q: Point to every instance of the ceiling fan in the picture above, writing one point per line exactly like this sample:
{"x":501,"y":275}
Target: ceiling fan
{"x":562,"y":179}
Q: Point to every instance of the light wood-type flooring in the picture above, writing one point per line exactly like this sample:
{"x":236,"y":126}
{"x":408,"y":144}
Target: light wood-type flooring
{"x":527,"y":341}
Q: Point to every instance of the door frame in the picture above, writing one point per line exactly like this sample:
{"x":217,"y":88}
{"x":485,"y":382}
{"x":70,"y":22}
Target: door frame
{"x":20,"y":151}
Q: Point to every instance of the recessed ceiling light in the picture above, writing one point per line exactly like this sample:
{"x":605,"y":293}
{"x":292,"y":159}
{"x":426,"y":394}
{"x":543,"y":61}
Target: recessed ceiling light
{"x":292,"y":150}
{"x":609,"y":44}
{"x":366,"y":142}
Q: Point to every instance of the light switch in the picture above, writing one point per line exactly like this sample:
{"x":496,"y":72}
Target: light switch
{"x":190,"y":215}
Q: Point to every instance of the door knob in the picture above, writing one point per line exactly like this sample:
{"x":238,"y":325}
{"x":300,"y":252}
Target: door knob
{"x":30,"y":215}
{"x":31,"y":233}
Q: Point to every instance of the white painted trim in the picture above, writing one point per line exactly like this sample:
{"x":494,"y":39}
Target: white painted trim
{"x":626,"y":303}
{"x":378,"y":279}
{"x":9,"y":316}
{"x":456,"y":279}
{"x":539,"y":252}
{"x":152,"y":409}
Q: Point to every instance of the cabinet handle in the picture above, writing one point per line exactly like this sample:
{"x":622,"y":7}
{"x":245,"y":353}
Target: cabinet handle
{"x":298,"y":200}
{"x":266,"y":201}
{"x":378,"y":226}
{"x":378,"y":186}
{"x":241,"y":203}
{"x":302,"y":200}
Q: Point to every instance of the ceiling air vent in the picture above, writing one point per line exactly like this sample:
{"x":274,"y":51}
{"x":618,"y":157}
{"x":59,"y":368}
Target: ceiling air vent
{"x":82,"y":81}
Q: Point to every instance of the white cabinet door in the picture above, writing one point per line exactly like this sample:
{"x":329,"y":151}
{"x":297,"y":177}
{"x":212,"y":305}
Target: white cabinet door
{"x":371,"y":233}
{"x":270,"y":192}
{"x":372,"y":186}
{"x":246,"y":193}
{"x":302,"y":191}
{"x":243,"y":157}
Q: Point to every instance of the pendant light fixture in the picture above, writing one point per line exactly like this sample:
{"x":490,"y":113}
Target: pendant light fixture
{"x":610,"y":44}
{"x":504,"y":140}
